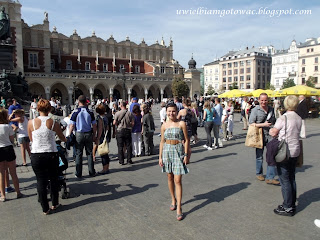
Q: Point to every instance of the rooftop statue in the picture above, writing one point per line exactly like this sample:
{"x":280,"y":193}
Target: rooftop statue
{"x":4,"y":24}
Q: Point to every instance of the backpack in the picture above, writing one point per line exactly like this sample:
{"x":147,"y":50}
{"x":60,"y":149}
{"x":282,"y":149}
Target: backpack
{"x":188,"y":121}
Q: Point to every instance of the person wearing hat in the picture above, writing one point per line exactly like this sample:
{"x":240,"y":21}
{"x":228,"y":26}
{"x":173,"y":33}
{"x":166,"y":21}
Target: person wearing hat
{"x":134,"y":103}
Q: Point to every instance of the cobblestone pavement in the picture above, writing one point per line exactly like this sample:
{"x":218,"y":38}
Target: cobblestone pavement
{"x":221,"y":200}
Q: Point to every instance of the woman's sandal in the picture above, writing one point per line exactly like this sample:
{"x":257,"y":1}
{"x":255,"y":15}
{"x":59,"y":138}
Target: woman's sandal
{"x":179,"y":217}
{"x":47,"y":212}
{"x":2,"y":199}
{"x":173,"y":207}
{"x":55,"y":207}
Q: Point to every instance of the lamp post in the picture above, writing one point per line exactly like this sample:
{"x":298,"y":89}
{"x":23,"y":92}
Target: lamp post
{"x":123,"y":71}
{"x":74,"y":92}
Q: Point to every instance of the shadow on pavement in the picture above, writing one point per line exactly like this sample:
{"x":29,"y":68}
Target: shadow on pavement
{"x":114,"y":194}
{"x":306,"y":198}
{"x":216,"y":195}
{"x":214,"y":157}
{"x":303,"y":168}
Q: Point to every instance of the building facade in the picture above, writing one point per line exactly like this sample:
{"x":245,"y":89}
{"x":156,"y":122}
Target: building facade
{"x":211,"y":76}
{"x":309,"y":56}
{"x":65,"y":67}
{"x":285,"y":64}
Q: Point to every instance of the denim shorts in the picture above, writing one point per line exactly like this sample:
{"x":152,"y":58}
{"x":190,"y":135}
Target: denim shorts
{"x":23,"y":140}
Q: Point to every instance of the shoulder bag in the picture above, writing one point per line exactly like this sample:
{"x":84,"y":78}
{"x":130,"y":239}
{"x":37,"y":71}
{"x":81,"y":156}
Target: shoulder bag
{"x":283,"y":149}
{"x":103,"y":148}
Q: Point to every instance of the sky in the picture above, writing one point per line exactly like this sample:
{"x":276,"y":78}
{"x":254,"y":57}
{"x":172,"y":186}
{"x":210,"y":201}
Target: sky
{"x":207,"y":36}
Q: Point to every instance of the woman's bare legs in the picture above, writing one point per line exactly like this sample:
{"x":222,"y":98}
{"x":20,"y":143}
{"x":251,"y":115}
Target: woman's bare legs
{"x":171,"y":188}
{"x":2,"y":179}
{"x":12,"y":169}
{"x":178,"y":188}
{"x":23,"y":153}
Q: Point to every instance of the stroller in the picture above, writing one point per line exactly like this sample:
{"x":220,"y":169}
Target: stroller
{"x":63,"y":165}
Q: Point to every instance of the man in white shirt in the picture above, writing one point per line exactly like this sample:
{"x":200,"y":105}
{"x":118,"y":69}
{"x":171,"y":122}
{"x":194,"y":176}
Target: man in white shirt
{"x":163,"y":114}
{"x":244,"y":105}
{"x":53,"y":102}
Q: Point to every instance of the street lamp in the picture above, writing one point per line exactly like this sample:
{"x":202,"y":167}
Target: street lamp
{"x":123,"y":71}
{"x":74,"y":92}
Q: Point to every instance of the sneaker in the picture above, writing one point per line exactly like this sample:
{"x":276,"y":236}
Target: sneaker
{"x":273,"y":182}
{"x":284,"y":211}
{"x":9,"y":189}
{"x":205,"y":146}
{"x":260,"y":177}
{"x":215,"y":147}
{"x":209,"y":148}
{"x":224,"y":140}
{"x":317,"y":223}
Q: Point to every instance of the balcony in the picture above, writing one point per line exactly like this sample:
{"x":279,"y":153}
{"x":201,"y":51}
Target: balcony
{"x":292,"y":74}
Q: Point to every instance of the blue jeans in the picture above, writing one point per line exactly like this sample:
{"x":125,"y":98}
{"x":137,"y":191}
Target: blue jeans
{"x":287,"y":177}
{"x":200,"y":119}
{"x":84,"y":140}
{"x":271,"y":170}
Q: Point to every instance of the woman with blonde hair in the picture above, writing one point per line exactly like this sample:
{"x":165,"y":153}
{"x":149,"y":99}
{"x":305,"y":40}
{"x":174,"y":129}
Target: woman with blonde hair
{"x":288,"y":127}
{"x":44,"y":154}
{"x":7,"y":155}
{"x":208,"y":114}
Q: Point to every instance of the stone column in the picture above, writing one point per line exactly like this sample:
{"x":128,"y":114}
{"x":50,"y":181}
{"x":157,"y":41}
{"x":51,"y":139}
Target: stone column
{"x":129,"y":95}
{"x":91,"y":90}
{"x":70,"y":92}
{"x":145,"y":94}
{"x":161,"y":93}
{"x":47,"y":90}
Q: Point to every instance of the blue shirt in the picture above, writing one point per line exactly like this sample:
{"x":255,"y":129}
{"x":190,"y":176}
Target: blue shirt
{"x":137,"y":124}
{"x":11,"y":109}
{"x":83,"y":119}
{"x":209,"y":115}
{"x":218,"y":111}
{"x":134,"y":104}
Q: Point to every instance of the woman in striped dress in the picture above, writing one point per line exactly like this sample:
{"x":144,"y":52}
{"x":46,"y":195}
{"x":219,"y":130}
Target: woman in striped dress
{"x":173,"y":155}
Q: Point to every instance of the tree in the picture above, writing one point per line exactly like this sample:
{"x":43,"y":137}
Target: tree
{"x":180,"y":88}
{"x":234,"y":86}
{"x":289,"y":82}
{"x":210,"y":90}
{"x":270,"y":86}
{"x":202,"y":90}
{"x":311,"y":82}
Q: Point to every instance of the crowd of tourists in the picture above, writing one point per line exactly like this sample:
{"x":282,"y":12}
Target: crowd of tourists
{"x":132,"y":125}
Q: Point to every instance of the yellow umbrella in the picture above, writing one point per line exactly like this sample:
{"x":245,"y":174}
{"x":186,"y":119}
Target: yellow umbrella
{"x":299,"y":90}
{"x":256,"y":93}
{"x":232,"y":93}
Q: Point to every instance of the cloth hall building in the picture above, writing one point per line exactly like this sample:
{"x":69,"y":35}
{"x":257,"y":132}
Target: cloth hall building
{"x":64,"y":67}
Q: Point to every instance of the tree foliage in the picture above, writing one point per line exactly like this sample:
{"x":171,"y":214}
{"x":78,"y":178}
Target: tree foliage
{"x":270,"y":86}
{"x":289,"y":82}
{"x":311,"y":82}
{"x":210,"y":90}
{"x":234,"y":86}
{"x":180,"y":88}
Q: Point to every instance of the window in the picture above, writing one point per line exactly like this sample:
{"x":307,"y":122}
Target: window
{"x":235,"y":64}
{"x":263,"y":63}
{"x":308,"y":50}
{"x":224,"y":66}
{"x":87,"y":66}
{"x":311,"y":49}
{"x":248,"y":77}
{"x":105,"y":67}
{"x":292,"y":69}
{"x":216,"y":78}
{"x":248,"y":85}
{"x":224,"y":79}
{"x":229,"y":72}
{"x":235,"y":71}
{"x":241,"y":78}
{"x":224,"y":73}
{"x":259,"y":62}
{"x":278,"y":70}
{"x":235,"y":79}
{"x":121,"y":66}
{"x":53,"y":64}
{"x":137,"y":69}
{"x":241,"y":71}
{"x":69,"y":65}
{"x":303,"y":69}
{"x":277,"y":82}
{"x":316,"y":79}
{"x":248,"y":70}
{"x":241,"y":85}
{"x":216,"y":71}
{"x":316,"y":60}
{"x":162,"y":70}
{"x":210,"y":70}
{"x":229,"y":65}
{"x":33,"y":60}
{"x":248,"y":62}
{"x":303,"y":80}
{"x":241,"y":63}
{"x":176,"y":70}
{"x":303,"y":61}
{"x":263,"y":70}
{"x":316,"y":68}
{"x":284,"y":69}
{"x":229,"y":79}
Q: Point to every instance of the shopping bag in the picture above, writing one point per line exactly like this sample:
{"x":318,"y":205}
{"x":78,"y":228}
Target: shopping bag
{"x":254,"y":137}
